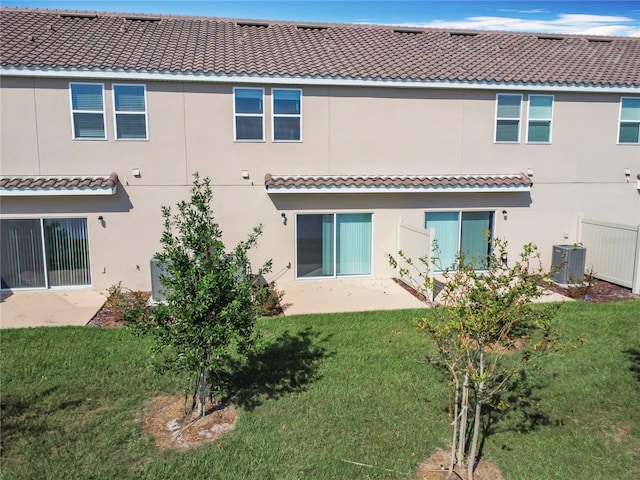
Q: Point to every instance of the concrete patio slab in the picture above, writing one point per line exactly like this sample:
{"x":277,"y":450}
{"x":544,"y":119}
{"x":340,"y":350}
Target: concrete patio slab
{"x":550,"y":296}
{"x":345,"y":295}
{"x":38,"y":308}
{"x":357,"y":295}
{"x":49,"y":308}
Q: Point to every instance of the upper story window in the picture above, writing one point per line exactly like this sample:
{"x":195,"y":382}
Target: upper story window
{"x":130,"y":111}
{"x":629,"y":131}
{"x":287,"y":115}
{"x":248,"y":109}
{"x":539,"y":118}
{"x":87,"y":111}
{"x":508,"y":112}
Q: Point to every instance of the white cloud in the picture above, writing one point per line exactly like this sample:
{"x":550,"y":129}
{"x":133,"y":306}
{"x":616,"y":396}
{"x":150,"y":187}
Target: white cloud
{"x":537,"y":10}
{"x":563,"y":23}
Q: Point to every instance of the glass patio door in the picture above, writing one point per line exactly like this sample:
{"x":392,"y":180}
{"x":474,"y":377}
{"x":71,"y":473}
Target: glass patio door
{"x":329,"y":245}
{"x":22,"y":257}
{"x":67,"y":252}
{"x":474,"y":242}
{"x":446,"y":226}
{"x":461,"y":232}
{"x":42,"y":253}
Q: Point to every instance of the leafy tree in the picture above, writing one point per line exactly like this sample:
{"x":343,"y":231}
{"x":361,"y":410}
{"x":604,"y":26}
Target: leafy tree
{"x":212,"y":297}
{"x":486,"y":330}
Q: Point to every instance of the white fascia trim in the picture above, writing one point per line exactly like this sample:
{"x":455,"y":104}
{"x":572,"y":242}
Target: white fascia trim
{"x":55,"y":192}
{"x":397,"y":190}
{"x":294,"y":80}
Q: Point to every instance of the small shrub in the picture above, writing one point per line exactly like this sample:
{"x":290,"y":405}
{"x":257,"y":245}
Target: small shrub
{"x":582,"y":290}
{"x":270,"y":300}
{"x":122,"y":302}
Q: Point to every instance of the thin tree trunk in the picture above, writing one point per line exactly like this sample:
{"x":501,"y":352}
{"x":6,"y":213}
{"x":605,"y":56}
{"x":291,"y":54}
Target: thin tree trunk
{"x":203,"y":392}
{"x":476,"y":423}
{"x":455,"y":426}
{"x":476,"y":433}
{"x":463,"y":419}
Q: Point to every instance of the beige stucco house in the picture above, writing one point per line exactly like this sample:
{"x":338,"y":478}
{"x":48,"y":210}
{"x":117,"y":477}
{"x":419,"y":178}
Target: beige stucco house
{"x":328,"y":135}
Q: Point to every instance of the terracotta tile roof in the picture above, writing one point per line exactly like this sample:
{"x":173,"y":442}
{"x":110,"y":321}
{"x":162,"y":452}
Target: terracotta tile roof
{"x":212,"y":46}
{"x":60,"y":185}
{"x":430,"y":183}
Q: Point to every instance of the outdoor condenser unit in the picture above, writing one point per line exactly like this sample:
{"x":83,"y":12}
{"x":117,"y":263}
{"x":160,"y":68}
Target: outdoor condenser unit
{"x":157,"y":269}
{"x":568,"y":263}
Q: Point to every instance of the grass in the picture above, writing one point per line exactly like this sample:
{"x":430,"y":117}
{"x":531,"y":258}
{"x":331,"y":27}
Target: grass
{"x":327,"y":390}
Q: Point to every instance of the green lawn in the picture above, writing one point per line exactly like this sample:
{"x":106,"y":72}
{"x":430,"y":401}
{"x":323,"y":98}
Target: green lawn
{"x":327,"y":388}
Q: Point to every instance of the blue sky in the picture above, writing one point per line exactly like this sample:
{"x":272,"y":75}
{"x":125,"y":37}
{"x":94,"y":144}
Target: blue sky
{"x":603,"y":17}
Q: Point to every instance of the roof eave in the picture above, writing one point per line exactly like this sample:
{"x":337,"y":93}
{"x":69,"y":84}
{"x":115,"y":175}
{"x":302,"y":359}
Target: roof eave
{"x":458,"y":189}
{"x":244,"y":78}
{"x":52,"y":192}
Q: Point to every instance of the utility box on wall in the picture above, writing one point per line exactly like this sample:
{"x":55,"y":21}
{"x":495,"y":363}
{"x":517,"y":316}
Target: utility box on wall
{"x":157,"y":291}
{"x":568,"y":263}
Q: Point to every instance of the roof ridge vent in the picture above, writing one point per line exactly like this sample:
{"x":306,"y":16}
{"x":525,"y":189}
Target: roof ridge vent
{"x":599,"y":40}
{"x":463,"y":34}
{"x":86,"y":16}
{"x":252,"y":24}
{"x":311,"y":27}
{"x":550,"y":37}
{"x":139,"y":18}
{"x":408,"y":31}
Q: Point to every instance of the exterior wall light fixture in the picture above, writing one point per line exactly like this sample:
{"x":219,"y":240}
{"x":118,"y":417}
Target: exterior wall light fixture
{"x":283,"y":217}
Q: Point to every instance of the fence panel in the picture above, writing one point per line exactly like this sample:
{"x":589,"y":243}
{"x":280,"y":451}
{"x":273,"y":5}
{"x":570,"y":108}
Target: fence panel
{"x":613,"y":251}
{"x":416,"y":243}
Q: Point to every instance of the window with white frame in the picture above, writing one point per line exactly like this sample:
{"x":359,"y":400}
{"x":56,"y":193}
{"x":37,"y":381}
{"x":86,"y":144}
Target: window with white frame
{"x":248,"y":110}
{"x":130,"y":111}
{"x":508,"y":113}
{"x":629,"y":128}
{"x":287,"y":115}
{"x":539,"y":118}
{"x":87,"y":111}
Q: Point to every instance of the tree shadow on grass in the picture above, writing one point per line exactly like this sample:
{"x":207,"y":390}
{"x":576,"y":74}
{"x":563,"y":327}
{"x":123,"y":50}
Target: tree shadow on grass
{"x":633,"y":354}
{"x":519,"y":410}
{"x":23,"y":417}
{"x":286,"y":365}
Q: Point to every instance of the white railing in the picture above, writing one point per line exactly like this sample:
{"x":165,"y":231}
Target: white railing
{"x":613,"y":251}
{"x":416,"y":243}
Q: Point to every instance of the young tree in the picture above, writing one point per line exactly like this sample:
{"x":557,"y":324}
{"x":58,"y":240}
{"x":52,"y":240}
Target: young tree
{"x":486,"y":330}
{"x":212,"y":299}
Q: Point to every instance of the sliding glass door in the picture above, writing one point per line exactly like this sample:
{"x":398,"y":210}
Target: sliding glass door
{"x":67,"y":252}
{"x":41,"y":253}
{"x":22,"y":255}
{"x":314,"y":245}
{"x":329,"y":245}
{"x":468,"y":233}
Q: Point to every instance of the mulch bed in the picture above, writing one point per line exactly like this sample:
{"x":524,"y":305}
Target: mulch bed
{"x":111,"y":313}
{"x":436,"y":468}
{"x":597,"y":291}
{"x":170,"y":426}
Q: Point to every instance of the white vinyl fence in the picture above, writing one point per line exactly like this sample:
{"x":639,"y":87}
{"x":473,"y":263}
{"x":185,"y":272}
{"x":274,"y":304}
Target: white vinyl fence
{"x":613,"y":251}
{"x":415,"y":243}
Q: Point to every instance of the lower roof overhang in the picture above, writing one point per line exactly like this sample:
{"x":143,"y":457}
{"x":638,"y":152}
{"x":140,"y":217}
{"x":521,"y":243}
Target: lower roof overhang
{"x":483,"y":183}
{"x":39,"y":186}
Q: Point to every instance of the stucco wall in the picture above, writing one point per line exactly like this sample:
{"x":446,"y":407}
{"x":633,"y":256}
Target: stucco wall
{"x":345,"y":131}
